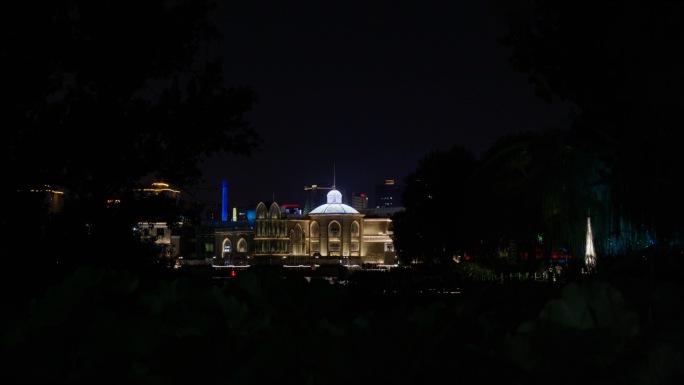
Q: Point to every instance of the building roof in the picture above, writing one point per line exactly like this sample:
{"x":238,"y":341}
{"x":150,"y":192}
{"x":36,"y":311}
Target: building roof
{"x":334,"y":205}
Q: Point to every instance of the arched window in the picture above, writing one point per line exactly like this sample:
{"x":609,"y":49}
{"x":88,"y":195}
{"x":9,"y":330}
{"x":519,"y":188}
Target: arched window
{"x":355,"y":229}
{"x":314,"y":230}
{"x":227,"y":246}
{"x":274,"y":211}
{"x":334,"y":229}
{"x":261,"y":211}
{"x":297,"y":240}
{"x":242,"y":246}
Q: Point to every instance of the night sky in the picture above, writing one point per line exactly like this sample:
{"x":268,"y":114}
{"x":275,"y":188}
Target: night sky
{"x":354,"y":93}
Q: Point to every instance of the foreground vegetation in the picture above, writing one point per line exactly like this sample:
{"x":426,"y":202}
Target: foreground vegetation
{"x":105,"y":325}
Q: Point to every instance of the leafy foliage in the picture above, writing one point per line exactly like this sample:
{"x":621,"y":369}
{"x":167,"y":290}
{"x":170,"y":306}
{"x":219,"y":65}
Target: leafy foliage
{"x":110,"y":326}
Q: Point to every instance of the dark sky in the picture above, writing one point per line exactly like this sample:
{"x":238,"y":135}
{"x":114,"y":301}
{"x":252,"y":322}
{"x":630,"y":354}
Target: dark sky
{"x":354,"y":93}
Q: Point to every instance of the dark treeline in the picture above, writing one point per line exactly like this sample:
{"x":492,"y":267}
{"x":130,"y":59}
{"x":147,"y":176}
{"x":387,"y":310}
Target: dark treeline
{"x":102,"y":98}
{"x":618,"y":64}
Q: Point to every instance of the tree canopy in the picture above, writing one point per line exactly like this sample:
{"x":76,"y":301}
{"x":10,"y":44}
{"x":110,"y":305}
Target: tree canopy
{"x":101,"y":95}
{"x":435,"y":225}
{"x":619,"y":64}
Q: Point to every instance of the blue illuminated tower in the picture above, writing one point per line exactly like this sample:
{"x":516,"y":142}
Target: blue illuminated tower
{"x":224,"y":202}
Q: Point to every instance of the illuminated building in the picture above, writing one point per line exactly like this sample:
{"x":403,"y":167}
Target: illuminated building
{"x":161,"y":188}
{"x":387,"y":200}
{"x":167,"y":239}
{"x":388,"y":194}
{"x":359,"y":201}
{"x":332,"y":233}
{"x":291,"y":210}
{"x":166,"y":235}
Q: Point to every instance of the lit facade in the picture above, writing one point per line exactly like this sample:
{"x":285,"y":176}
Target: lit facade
{"x":166,"y":238}
{"x":161,"y":188}
{"x":331,"y":233}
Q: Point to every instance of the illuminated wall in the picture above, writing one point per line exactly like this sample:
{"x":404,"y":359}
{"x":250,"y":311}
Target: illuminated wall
{"x":271,"y":233}
{"x":166,"y":239}
{"x":330,"y":237}
{"x":378,"y":246}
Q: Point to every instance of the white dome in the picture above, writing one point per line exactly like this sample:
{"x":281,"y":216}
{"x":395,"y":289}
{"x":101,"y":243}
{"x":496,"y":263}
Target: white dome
{"x":334,"y":205}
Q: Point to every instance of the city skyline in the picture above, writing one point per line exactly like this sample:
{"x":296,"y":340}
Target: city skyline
{"x":315,"y":195}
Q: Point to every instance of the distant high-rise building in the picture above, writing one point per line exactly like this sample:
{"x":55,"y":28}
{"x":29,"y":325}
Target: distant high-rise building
{"x":388,"y":194}
{"x":359,"y":201}
{"x":290,"y":210}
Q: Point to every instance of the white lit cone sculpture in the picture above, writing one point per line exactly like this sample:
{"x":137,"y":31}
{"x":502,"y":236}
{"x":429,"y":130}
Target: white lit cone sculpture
{"x":590,"y":255}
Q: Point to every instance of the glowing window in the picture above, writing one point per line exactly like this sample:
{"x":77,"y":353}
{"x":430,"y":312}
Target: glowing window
{"x":261,"y":211}
{"x":334,"y":229}
{"x":274,"y":211}
{"x":355,"y":229}
{"x":242,"y":245}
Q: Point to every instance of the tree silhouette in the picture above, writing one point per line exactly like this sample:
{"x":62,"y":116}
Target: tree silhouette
{"x":435,"y":227}
{"x":620,"y":64}
{"x":101,"y":95}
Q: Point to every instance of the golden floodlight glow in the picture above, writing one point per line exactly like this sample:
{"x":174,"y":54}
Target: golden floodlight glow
{"x":158,"y":187}
{"x":47,"y":188}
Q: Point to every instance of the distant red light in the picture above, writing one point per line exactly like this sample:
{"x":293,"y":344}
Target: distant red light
{"x":233,"y":273}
